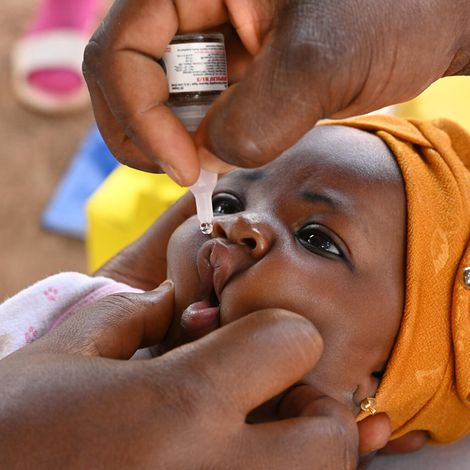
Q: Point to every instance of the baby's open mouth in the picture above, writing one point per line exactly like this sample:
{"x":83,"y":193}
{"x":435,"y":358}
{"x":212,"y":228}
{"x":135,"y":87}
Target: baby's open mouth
{"x":201,"y":317}
{"x":218,"y":262}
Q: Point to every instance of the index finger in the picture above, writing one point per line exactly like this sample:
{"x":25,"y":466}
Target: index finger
{"x":252,"y":359}
{"x":129,"y":88}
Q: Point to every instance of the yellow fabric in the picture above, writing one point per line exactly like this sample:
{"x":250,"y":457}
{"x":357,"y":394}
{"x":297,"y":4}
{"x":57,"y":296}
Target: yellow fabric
{"x":426,"y":385}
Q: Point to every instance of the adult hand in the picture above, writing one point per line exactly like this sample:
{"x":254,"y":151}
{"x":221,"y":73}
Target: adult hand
{"x":295,"y":62}
{"x":374,"y":431}
{"x":71,"y":399}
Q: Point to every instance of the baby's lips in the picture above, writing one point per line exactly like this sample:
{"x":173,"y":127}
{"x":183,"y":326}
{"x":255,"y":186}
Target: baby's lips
{"x":199,"y":319}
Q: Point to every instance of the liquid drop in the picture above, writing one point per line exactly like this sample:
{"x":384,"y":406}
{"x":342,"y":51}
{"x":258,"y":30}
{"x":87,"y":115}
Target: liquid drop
{"x":206,"y":228}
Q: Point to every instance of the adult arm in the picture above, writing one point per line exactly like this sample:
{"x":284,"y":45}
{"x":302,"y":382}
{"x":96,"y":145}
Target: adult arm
{"x":293,"y":63}
{"x":73,"y":400}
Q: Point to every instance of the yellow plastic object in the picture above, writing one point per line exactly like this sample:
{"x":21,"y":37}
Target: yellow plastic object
{"x":448,"y":97}
{"x":122,"y":208}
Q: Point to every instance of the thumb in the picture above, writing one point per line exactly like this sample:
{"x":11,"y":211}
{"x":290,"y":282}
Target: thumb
{"x":281,"y":96}
{"x":115,"y":326}
{"x":305,"y":70}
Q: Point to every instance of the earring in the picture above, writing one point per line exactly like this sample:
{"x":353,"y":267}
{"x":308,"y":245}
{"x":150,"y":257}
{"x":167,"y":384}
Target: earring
{"x":369,"y":404}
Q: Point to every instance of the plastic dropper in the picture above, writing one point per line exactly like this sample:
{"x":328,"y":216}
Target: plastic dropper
{"x":190,"y":97}
{"x":202,"y":190}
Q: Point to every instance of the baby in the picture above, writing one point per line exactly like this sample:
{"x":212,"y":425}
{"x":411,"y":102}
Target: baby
{"x":362,"y":227}
{"x":366,"y":235}
{"x":320,"y":232}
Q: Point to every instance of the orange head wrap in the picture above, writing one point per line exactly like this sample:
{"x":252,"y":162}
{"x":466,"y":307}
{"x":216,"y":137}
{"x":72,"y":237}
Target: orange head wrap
{"x":426,"y":385}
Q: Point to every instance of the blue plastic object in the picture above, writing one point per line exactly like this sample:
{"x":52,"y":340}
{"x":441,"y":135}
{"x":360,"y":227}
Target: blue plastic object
{"x":89,"y":167}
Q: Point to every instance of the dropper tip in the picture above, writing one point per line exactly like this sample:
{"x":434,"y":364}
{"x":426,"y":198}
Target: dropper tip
{"x":202,"y":191}
{"x":206,"y":228}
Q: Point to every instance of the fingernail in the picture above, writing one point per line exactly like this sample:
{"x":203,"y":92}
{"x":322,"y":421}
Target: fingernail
{"x":168,"y":284}
{"x":211,"y":162}
{"x":173,"y":173}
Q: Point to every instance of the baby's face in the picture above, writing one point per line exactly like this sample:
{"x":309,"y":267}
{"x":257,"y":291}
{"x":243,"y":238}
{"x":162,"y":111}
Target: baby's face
{"x":320,"y":232}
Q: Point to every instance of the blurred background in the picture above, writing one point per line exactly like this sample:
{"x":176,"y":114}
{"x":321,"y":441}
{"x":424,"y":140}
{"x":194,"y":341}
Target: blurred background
{"x":35,"y":150}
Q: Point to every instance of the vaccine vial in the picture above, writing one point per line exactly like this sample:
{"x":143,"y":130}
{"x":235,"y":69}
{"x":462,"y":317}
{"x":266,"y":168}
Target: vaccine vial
{"x":196,"y":70}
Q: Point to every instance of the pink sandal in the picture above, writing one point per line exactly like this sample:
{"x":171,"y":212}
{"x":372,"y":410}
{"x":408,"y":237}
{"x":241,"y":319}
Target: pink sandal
{"x":58,"y":50}
{"x":47,"y":61}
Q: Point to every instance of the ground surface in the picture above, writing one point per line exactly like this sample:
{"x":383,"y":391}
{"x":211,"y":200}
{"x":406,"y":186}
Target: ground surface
{"x":34,"y":153}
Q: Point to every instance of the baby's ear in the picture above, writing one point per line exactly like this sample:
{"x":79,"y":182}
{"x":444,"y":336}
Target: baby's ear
{"x":365,"y":391}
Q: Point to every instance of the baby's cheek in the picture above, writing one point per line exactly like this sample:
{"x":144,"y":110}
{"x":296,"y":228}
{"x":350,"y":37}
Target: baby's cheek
{"x":240,"y":298}
{"x":183,"y":247}
{"x":182,"y":251}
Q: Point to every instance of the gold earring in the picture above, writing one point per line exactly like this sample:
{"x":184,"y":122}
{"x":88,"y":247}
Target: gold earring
{"x":369,"y":404}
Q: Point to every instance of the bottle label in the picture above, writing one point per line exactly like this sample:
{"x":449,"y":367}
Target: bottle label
{"x":196,"y":67}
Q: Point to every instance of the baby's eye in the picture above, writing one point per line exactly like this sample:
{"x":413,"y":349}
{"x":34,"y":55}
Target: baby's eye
{"x":316,"y":240}
{"x":226,"y":204}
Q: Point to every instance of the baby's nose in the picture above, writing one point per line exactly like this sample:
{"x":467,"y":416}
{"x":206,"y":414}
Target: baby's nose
{"x":250,"y":231}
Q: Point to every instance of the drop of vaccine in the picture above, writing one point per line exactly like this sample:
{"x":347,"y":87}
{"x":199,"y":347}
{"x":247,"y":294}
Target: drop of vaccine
{"x":206,"y":228}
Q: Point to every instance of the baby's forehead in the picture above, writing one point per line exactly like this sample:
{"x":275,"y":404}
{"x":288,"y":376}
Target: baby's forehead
{"x":331,"y":155}
{"x":341,"y":149}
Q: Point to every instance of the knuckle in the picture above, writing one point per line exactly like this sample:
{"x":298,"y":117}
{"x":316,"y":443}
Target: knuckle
{"x":328,"y":44}
{"x":121,"y":304}
{"x":312,"y":31}
{"x":322,"y":36}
